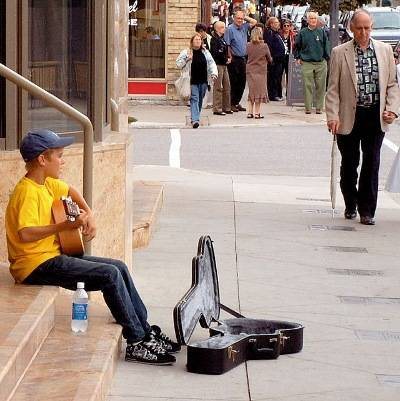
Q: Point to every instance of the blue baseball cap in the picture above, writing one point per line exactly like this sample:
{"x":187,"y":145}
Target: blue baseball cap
{"x":37,"y":141}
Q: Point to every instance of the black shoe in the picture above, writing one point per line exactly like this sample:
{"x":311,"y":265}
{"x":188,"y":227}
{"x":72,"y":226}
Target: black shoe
{"x":234,"y":108}
{"x":165,"y":342}
{"x":148,"y":351}
{"x":228,"y":111}
{"x":276,"y":99}
{"x":219,"y":113}
{"x":239,"y":107}
{"x":350,"y":214}
{"x":195,"y":124}
{"x":367,"y":220}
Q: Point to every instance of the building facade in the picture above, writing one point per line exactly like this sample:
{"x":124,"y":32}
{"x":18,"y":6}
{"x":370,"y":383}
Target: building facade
{"x":158,"y":31}
{"x":76,"y":50}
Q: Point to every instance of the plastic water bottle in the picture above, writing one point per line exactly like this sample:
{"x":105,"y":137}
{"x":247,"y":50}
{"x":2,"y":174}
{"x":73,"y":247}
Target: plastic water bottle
{"x":79,"y":322}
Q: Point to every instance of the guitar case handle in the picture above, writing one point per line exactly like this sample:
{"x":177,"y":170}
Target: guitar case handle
{"x":272,"y":352}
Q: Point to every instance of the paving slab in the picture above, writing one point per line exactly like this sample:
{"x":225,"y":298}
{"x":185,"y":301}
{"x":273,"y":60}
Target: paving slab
{"x":273,"y":265}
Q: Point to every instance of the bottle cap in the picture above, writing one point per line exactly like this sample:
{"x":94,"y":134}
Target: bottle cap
{"x":80,"y":285}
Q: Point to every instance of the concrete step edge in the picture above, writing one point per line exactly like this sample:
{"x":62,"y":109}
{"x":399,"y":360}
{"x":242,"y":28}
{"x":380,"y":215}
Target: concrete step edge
{"x":147,"y":203}
{"x":20,"y":347}
{"x":74,"y":367}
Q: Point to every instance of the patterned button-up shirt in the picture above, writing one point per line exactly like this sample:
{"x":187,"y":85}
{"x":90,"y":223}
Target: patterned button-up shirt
{"x":367,"y":75}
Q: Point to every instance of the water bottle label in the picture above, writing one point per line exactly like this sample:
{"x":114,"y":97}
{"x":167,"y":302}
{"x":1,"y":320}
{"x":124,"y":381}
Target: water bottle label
{"x":79,"y":311}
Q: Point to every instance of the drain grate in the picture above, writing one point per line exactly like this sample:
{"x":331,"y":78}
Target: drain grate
{"x":314,"y":199}
{"x":375,"y":335}
{"x":322,"y":227}
{"x":355,"y":249}
{"x":355,"y":272}
{"x":389,"y":380}
{"x":320,"y":211}
{"x":369,"y":300}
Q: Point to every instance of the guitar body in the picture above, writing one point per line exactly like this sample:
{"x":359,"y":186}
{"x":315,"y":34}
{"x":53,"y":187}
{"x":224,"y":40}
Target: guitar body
{"x":70,"y":241}
{"x":231,"y":341}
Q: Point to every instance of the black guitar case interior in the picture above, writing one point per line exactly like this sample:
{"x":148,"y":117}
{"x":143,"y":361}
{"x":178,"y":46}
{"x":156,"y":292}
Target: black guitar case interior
{"x":231,"y":341}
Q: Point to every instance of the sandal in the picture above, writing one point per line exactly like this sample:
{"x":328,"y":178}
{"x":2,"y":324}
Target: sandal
{"x":250,"y":115}
{"x":258,"y":116}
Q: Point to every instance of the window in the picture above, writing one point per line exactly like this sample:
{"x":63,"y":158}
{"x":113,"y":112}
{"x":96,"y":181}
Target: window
{"x":147,"y":38}
{"x":59,"y":48}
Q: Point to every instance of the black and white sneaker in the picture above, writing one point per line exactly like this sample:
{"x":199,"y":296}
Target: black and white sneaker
{"x":148,"y":351}
{"x":164,"y":341}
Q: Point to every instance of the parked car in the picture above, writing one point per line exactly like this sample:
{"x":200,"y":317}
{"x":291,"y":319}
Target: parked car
{"x":386,"y":26}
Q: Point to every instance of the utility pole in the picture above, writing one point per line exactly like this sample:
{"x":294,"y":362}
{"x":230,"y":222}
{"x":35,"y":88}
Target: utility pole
{"x":334,"y":28}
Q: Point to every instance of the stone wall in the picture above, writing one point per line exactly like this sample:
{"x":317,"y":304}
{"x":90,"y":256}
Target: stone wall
{"x":182,"y":16}
{"x":109,"y":194}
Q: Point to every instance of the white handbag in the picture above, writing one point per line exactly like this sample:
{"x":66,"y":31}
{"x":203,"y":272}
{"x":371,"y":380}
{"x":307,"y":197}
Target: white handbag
{"x":182,"y":84}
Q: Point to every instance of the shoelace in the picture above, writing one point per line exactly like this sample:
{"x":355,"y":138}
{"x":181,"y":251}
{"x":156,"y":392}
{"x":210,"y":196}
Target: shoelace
{"x":154,"y":346}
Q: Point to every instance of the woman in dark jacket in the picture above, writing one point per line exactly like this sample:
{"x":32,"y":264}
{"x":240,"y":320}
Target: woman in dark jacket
{"x":277,"y":49}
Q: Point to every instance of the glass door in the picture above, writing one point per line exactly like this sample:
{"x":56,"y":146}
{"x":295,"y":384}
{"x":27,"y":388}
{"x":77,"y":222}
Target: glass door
{"x":59,"y":49}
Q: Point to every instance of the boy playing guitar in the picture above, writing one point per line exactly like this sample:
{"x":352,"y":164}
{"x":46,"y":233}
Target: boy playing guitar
{"x":35,"y":255}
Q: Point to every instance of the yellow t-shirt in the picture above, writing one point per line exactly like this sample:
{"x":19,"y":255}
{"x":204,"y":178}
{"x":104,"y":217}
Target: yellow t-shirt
{"x":30,"y":206}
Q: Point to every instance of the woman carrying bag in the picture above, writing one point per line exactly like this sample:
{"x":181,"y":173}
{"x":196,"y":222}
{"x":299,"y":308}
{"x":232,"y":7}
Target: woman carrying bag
{"x":203,"y":71}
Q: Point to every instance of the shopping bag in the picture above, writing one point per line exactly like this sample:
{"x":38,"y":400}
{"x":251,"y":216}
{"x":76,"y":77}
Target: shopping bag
{"x":182,"y":84}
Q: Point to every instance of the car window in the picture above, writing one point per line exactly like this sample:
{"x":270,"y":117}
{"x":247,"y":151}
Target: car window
{"x":390,"y":20}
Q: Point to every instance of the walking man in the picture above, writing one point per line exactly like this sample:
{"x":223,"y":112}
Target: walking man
{"x":361,"y":101}
{"x":312,"y":52}
{"x":236,"y":39}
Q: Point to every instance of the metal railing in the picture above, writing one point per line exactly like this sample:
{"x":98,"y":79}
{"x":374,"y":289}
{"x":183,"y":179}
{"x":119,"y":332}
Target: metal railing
{"x":69,"y":111}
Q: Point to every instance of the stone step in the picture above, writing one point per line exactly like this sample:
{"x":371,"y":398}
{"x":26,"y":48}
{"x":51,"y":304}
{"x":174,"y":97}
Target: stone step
{"x":147,"y":203}
{"x":27,"y":315}
{"x":73,"y":367}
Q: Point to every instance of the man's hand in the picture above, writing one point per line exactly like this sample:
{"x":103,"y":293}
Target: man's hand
{"x":333,"y":126}
{"x":388,"y":116}
{"x":299,"y":62}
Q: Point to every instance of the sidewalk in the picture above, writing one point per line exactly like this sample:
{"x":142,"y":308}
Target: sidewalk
{"x":168,"y":116}
{"x":277,"y":258}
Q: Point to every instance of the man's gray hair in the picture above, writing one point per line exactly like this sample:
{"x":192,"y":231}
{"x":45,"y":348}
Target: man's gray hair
{"x":238,"y":10}
{"x":358,"y":12}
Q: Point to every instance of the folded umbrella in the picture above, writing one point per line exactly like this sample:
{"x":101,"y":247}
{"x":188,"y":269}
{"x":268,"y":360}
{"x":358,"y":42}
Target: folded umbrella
{"x":334,"y":174}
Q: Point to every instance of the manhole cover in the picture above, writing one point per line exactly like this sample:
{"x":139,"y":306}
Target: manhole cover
{"x":322,"y":227}
{"x":369,"y":300}
{"x":355,"y":272}
{"x":314,"y":199}
{"x":375,"y":335}
{"x":355,"y":249}
{"x":389,"y":380}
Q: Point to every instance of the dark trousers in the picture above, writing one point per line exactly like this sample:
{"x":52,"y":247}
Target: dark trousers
{"x":110,"y":276}
{"x":237,"y":78}
{"x":274,"y":78}
{"x":367,"y":132}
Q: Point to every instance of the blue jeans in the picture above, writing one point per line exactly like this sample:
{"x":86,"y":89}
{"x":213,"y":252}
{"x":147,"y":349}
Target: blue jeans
{"x":197,"y":93}
{"x":110,"y":276}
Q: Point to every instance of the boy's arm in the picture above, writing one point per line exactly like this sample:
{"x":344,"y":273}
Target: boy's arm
{"x":36,"y":233}
{"x":89,"y":228}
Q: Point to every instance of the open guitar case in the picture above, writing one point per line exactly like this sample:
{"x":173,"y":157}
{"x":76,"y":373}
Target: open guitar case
{"x":231,"y":341}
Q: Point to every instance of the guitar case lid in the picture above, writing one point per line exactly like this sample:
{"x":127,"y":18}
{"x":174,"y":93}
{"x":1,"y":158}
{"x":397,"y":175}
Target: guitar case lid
{"x":201,"y":302}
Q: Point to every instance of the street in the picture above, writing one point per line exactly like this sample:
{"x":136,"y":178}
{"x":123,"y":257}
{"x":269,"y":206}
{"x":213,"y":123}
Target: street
{"x":279,"y":151}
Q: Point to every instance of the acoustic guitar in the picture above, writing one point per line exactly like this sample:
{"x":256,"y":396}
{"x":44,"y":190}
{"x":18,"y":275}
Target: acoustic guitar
{"x":71,"y":240}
